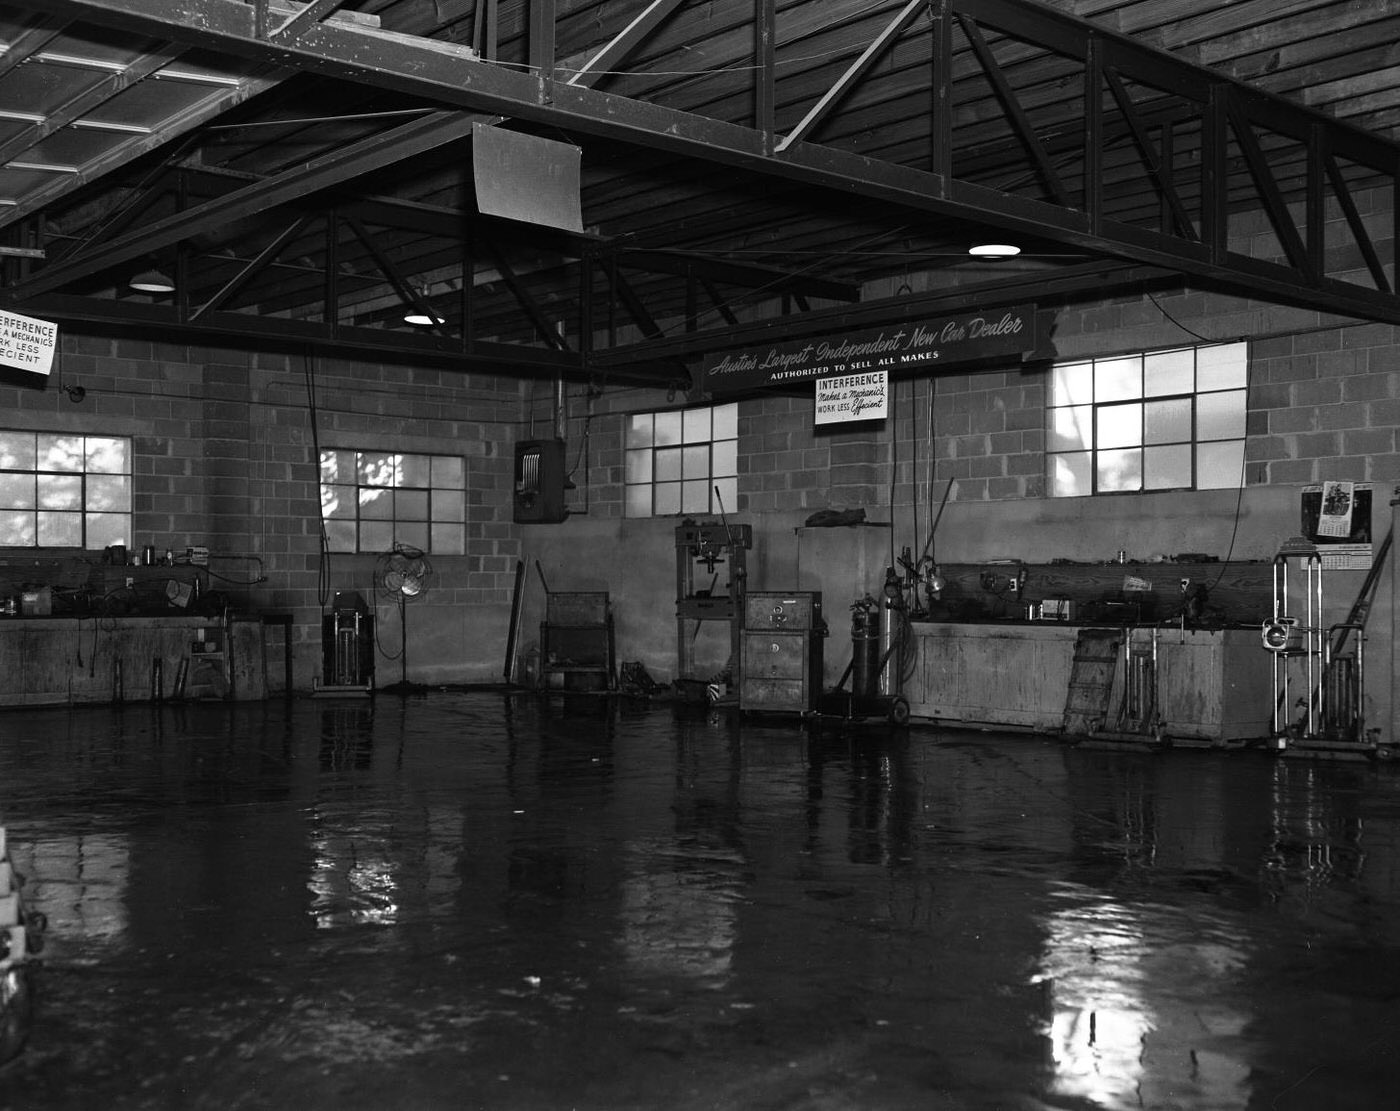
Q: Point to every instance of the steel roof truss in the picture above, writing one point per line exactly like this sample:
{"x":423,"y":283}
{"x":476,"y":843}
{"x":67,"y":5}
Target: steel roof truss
{"x":447,"y":74}
{"x":1015,"y":113}
{"x":253,"y":267}
{"x":547,"y":329}
{"x":1342,"y":192}
{"x":1157,"y":168}
{"x":876,"y":49}
{"x":402,"y":142}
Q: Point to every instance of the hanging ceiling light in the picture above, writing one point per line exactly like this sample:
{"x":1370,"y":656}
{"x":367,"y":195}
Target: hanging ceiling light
{"x":419,"y":317}
{"x":994,"y":250}
{"x":152,"y":281}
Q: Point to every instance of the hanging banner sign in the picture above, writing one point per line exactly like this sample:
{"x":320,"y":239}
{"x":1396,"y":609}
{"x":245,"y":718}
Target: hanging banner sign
{"x":844,"y":397}
{"x":26,"y":343}
{"x":937,"y":342}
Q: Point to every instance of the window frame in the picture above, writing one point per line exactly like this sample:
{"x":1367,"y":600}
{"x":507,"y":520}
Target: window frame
{"x":87,"y":479}
{"x":424,"y":530}
{"x":662,"y":454}
{"x":1097,"y":387}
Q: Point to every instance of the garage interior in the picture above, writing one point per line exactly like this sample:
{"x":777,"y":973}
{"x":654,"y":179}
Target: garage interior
{"x":678,"y":406}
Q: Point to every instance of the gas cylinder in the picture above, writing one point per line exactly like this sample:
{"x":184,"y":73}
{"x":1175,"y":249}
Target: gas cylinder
{"x":865,"y":648}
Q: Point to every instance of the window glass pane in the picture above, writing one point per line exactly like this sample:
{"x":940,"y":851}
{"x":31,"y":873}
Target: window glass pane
{"x":60,"y":491}
{"x":695,"y":425}
{"x":1167,"y":422}
{"x":340,"y":536}
{"x":1224,"y":366}
{"x":1165,"y":372}
{"x":16,"y":491}
{"x":1166,"y":468}
{"x":725,"y":424}
{"x":377,"y":468}
{"x":411,"y":505}
{"x":695,"y":462}
{"x":109,"y":492}
{"x":639,"y":466}
{"x":61,"y":530}
{"x":724,"y":458}
{"x":668,"y":464}
{"x":449,"y":473}
{"x":1119,"y":470}
{"x":338,"y":502}
{"x":449,"y":540}
{"x":668,"y":427}
{"x":106,"y":456}
{"x":376,"y":536}
{"x":337,"y":466}
{"x":639,"y":501}
{"x":1118,"y":379}
{"x":17,"y":450}
{"x":1073,"y":384}
{"x":376,"y":504}
{"x":414,"y":470}
{"x":1071,"y":427}
{"x":1120,"y":425}
{"x":1220,"y":416}
{"x":728,"y":493}
{"x":639,"y":430}
{"x":695,"y":497}
{"x":17,"y":527}
{"x":59,"y":453}
{"x":1220,"y":466}
{"x":1071,"y":475}
{"x":448,"y":505}
{"x":413,"y":533}
{"x":668,"y":498}
{"x":106,"y":529}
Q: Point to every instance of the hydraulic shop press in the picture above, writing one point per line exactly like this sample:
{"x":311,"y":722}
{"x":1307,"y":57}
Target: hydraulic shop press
{"x":707,"y":551}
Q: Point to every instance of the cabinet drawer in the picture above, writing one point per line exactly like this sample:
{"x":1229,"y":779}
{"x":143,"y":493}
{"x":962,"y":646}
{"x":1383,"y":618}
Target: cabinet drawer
{"x":775,"y":656}
{"x":802,"y":610}
{"x":775,"y":694}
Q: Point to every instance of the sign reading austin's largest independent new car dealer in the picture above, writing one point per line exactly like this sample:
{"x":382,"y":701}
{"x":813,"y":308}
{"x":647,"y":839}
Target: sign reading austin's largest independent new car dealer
{"x":924,"y":343}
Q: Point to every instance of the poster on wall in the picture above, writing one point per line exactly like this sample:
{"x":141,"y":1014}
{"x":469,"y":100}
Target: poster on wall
{"x":1334,"y":515}
{"x":927,"y":344}
{"x":847,"y":397}
{"x":26,"y":349}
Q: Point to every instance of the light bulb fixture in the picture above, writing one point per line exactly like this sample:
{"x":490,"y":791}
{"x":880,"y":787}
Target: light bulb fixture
{"x":75,"y":393}
{"x":152,"y":281}
{"x":994,"y":250}
{"x":419,"y":317}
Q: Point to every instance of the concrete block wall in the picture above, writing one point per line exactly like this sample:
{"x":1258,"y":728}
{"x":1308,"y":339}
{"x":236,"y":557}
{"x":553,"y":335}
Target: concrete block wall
{"x":1326,"y":405}
{"x":224,"y":456}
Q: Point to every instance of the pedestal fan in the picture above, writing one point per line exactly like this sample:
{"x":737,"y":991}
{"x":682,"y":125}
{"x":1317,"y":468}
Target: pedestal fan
{"x":402,"y":574}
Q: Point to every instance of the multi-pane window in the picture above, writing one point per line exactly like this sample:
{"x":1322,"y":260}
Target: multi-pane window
{"x":61,"y":490}
{"x":678,"y":458}
{"x":1162,"y":420}
{"x":372,"y":500}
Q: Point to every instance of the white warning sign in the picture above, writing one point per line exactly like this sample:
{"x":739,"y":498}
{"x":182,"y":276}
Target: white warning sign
{"x":26,"y":343}
{"x":843,"y":397}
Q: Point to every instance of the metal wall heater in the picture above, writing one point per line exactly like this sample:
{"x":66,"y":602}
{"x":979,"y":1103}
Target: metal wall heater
{"x":540,"y":482}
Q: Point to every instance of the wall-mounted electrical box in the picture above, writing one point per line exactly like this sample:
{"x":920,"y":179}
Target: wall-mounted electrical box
{"x":540,"y":482}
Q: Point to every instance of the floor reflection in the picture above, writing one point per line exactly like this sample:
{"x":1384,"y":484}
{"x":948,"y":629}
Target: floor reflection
{"x":597,"y":903}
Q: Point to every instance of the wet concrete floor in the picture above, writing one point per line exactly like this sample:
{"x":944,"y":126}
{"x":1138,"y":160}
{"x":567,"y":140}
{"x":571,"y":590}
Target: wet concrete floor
{"x":484,"y":900}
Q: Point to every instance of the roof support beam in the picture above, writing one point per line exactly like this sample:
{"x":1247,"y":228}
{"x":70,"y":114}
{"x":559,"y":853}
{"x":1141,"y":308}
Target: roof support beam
{"x":858,"y":69}
{"x":455,"y":77}
{"x":405,"y":141}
